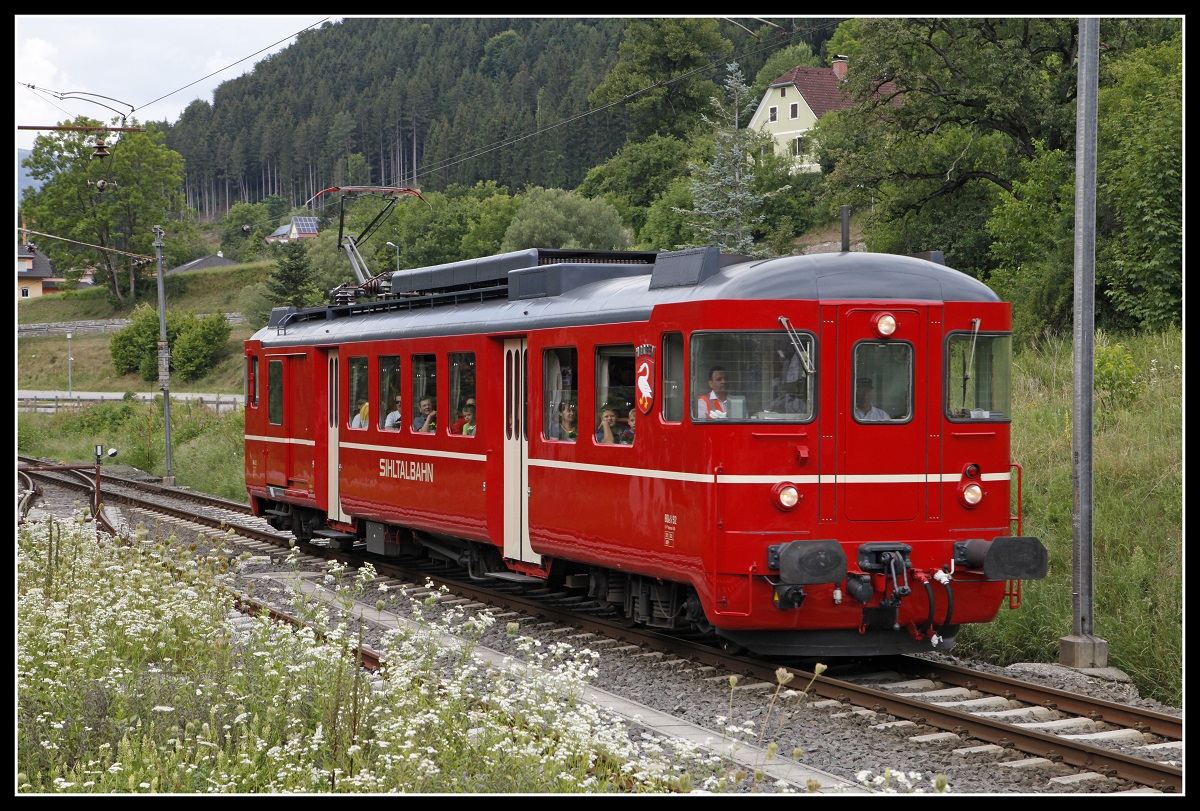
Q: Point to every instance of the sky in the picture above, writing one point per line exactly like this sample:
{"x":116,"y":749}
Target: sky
{"x":157,"y":65}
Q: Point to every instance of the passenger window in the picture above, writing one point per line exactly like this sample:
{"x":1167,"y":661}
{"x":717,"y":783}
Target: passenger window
{"x":979,"y":376}
{"x":462,"y":393}
{"x":883,"y":381}
{"x":360,"y":397}
{"x":250,"y":395}
{"x":559,"y":389}
{"x":275,"y":392}
{"x":424,"y":394}
{"x":614,"y":395}
{"x":389,"y":392}
{"x":746,"y":376}
{"x":672,"y":378}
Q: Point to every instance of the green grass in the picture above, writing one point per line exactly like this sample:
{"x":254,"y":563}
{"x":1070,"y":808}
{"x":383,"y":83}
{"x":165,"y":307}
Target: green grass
{"x":1137,"y":516}
{"x":202,"y":291}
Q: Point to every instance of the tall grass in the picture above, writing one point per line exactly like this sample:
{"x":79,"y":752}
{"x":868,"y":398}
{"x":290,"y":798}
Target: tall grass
{"x":1137,"y":511}
{"x":207,"y":449}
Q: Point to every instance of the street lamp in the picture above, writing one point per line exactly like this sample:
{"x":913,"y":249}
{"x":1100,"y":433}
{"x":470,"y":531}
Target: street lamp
{"x":70,"y":364}
{"x":397,"y":247}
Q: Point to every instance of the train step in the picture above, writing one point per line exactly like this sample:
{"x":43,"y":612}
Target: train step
{"x":336,"y":538}
{"x":280,"y":513}
{"x":515,"y":578}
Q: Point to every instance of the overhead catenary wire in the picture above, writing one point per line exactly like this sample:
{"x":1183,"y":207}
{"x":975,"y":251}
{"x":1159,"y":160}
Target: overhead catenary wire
{"x":86,"y":244}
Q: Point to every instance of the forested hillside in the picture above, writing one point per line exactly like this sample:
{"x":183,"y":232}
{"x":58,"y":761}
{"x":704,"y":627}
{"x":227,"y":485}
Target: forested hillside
{"x":960,"y":137}
{"x":429,"y":102}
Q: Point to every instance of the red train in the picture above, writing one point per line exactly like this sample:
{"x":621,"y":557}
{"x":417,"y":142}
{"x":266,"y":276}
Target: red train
{"x":809,"y":454}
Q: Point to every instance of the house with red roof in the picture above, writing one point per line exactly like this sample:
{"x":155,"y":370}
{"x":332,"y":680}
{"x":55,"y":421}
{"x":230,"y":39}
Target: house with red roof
{"x":793,"y":104}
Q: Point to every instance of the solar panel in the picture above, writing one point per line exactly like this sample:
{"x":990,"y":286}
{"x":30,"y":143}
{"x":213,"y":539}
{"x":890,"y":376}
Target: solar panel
{"x":305,"y":225}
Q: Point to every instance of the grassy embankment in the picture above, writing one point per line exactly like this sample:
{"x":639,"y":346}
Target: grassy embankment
{"x":1137,"y":520}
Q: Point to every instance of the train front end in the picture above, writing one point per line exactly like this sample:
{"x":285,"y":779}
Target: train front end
{"x":864,"y":498}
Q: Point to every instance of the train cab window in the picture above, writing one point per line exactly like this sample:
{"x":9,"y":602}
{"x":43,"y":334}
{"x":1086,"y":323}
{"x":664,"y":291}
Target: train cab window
{"x":360,"y":396}
{"x":462,"y":394}
{"x":979,"y":376}
{"x":389,"y":393}
{"x":753,"y":376}
{"x":559,"y":394}
{"x":275,"y":392}
{"x":883,"y":381}
{"x":614,"y":395}
{"x":426,"y":409}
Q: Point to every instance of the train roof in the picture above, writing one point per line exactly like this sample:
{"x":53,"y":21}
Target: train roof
{"x":542,"y":288}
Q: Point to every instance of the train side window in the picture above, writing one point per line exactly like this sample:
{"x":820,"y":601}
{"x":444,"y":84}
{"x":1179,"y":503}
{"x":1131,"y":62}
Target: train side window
{"x":275,"y":392}
{"x":559,"y":394}
{"x":462,"y":390}
{"x":744,"y":376}
{"x":672,"y":377}
{"x":360,"y":396}
{"x":615,"y":392}
{"x":389,"y":392}
{"x":979,"y":376}
{"x":424,"y":390}
{"x":250,"y":395}
{"x":883,"y":381}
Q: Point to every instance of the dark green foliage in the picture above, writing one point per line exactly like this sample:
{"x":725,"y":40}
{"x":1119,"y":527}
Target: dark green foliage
{"x":132,"y":346}
{"x":962,"y":122}
{"x":291,"y":282}
{"x":200,"y":345}
{"x":553,"y":218}
{"x":638,"y":175}
{"x":664,"y":74}
{"x":143,"y":182}
{"x":245,"y":230}
{"x":387,"y":88}
{"x":195,"y":343}
{"x":1139,"y":260}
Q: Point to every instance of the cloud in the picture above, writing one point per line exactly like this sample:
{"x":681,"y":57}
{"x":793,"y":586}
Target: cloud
{"x":156,"y":64}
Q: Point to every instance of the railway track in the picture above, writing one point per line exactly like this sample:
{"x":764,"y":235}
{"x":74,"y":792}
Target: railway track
{"x":1078,"y":742}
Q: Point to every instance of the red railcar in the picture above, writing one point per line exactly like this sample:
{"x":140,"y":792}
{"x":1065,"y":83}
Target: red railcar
{"x":754,"y":494}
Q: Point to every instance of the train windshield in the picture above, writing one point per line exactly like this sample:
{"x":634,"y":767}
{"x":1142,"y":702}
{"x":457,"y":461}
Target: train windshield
{"x":745,"y":376}
{"x":979,"y":376}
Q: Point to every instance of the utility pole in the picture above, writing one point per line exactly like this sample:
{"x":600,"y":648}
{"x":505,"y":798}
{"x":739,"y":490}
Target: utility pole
{"x":164,"y":355}
{"x":397,"y":247}
{"x":70,"y":365}
{"x":1083,"y":649}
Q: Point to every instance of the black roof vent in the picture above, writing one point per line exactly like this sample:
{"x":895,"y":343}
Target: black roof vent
{"x":689,"y":268}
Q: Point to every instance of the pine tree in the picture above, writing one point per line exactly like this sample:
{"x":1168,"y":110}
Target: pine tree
{"x":725,"y":204}
{"x":291,"y":281}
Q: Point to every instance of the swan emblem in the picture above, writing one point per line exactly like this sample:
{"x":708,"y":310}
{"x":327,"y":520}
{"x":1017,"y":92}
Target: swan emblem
{"x":645,"y":392}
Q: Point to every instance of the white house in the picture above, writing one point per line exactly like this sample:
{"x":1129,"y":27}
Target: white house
{"x":795,"y":102}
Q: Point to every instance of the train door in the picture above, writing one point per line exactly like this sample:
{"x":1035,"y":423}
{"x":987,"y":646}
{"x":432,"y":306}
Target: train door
{"x":516,"y":452}
{"x":333,"y":409}
{"x":883,"y":412}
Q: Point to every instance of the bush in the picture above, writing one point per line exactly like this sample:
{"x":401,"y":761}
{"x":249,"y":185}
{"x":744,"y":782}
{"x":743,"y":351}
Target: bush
{"x":200,"y":345}
{"x":1116,"y":380}
{"x":195,"y":343}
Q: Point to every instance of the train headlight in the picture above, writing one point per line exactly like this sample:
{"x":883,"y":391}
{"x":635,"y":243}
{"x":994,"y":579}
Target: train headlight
{"x":786,"y":496}
{"x":971,"y":494}
{"x":885,"y":324}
